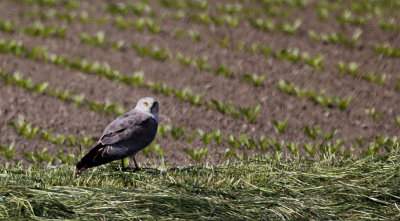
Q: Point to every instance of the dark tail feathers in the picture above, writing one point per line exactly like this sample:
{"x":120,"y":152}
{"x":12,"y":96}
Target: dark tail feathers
{"x":92,"y":159}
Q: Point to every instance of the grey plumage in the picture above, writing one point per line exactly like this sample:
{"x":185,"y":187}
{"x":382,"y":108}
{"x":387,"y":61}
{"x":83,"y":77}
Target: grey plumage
{"x":125,"y":136}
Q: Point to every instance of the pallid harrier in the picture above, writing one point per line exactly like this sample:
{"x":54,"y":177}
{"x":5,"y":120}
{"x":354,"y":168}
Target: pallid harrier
{"x":125,"y":136}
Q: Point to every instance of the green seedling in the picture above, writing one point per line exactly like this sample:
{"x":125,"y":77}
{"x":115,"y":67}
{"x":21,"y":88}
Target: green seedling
{"x":310,"y":149}
{"x":293,"y":147}
{"x":137,"y":79}
{"x":388,"y":50}
{"x":194,"y":98}
{"x":329,"y":149}
{"x":159,"y":54}
{"x":267,"y":25}
{"x":263,"y":143}
{"x":86,"y":141}
{"x":254,"y":79}
{"x":152,"y":26}
{"x":66,"y":158}
{"x":184,"y":61}
{"x":178,"y":132}
{"x":78,"y":99}
{"x":398,"y":121}
{"x":232,"y":141}
{"x":201,"y":64}
{"x":373,"y":78}
{"x":194,"y":35}
{"x":224,"y":42}
{"x":122,"y":23}
{"x":118,"y":44}
{"x":41,"y":87}
{"x":231,"y":21}
{"x":312,"y":133}
{"x":290,"y":29}
{"x":6,"y":26}
{"x":64,"y":96}
{"x":251,"y":114}
{"x":328,"y":136}
{"x":373,"y":113}
{"x":40,"y":156}
{"x":24,"y":128}
{"x":8,"y":151}
{"x":280,"y":126}
{"x":275,"y":145}
{"x":223,"y":70}
{"x":142,"y":51}
{"x":389,"y":25}
{"x":240,"y":46}
{"x":352,"y":68}
{"x":196,"y":155}
{"x":343,"y":103}
{"x":322,"y":13}
{"x":288,"y":89}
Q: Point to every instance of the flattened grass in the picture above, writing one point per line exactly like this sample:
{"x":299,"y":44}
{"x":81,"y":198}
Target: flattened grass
{"x":335,"y":188}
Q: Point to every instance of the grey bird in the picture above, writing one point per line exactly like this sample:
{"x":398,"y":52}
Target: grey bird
{"x":125,"y":136}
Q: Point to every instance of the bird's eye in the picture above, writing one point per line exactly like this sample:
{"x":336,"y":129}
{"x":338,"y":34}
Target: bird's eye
{"x":145,"y":103}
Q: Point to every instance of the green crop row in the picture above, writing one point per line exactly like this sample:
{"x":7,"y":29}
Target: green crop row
{"x":316,"y":132}
{"x":348,"y":17}
{"x":26,"y":129}
{"x":389,"y":25}
{"x":42,"y":156}
{"x":249,"y":113}
{"x":219,"y":21}
{"x":37,"y":29}
{"x":268,"y":8}
{"x":67,"y":96}
{"x":68,"y":4}
{"x":354,"y":12}
{"x":68,"y":16}
{"x":318,"y":98}
{"x":292,"y":55}
{"x":269,"y":25}
{"x":353,"y":70}
{"x":138,"y":25}
{"x":236,"y":7}
{"x":387,"y":50}
{"x":138,"y":8}
{"x":335,"y":37}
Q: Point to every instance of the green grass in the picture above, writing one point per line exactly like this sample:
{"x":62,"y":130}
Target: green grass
{"x":337,"y":188}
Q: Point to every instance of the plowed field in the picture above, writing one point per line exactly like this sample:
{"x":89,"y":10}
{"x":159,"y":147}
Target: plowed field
{"x":220,"y":55}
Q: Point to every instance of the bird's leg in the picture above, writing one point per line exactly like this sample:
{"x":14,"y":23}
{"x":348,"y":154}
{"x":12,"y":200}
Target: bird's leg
{"x":136,"y":165}
{"x":125,"y":162}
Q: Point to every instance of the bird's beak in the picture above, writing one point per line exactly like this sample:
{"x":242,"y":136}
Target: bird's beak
{"x":154,"y":106}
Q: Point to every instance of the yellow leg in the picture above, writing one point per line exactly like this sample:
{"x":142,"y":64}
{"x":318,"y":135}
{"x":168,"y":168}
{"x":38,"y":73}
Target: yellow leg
{"x":125,"y":162}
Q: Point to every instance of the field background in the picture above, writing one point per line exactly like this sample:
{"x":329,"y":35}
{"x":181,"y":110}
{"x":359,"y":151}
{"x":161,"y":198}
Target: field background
{"x":280,"y":79}
{"x":173,"y":39}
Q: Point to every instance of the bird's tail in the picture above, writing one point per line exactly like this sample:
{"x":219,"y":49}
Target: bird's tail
{"x":92,"y":159}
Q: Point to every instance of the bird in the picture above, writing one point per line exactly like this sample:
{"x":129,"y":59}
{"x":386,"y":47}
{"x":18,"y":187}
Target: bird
{"x":125,"y":136}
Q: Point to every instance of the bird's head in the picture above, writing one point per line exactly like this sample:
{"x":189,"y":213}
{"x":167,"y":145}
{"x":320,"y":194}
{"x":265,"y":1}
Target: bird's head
{"x":148,"y":104}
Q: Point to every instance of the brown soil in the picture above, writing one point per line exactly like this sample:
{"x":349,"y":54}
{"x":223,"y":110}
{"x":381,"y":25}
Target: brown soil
{"x":52,"y":114}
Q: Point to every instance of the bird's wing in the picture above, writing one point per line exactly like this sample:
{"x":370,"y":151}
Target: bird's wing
{"x":123,"y":127}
